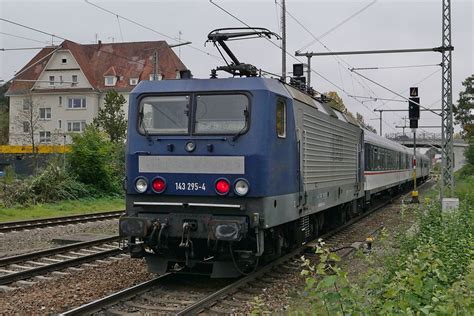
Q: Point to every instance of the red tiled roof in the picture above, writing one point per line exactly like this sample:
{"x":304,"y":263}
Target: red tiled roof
{"x":124,"y":60}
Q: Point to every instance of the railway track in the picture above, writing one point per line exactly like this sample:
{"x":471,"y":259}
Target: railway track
{"x":170,"y":293}
{"x":27,"y":266}
{"x":56,"y":221}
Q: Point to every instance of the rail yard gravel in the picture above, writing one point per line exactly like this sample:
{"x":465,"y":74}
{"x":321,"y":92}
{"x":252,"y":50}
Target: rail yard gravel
{"x":14,"y":243}
{"x":65,"y":292}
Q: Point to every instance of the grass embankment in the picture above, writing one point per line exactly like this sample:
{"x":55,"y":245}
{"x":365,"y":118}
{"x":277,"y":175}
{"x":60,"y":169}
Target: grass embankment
{"x":427,"y":270}
{"x":62,"y":208}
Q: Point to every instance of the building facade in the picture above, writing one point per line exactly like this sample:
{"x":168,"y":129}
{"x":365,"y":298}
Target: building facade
{"x":62,"y":88}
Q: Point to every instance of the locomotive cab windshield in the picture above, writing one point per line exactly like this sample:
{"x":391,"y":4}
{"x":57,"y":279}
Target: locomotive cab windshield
{"x":196,"y":114}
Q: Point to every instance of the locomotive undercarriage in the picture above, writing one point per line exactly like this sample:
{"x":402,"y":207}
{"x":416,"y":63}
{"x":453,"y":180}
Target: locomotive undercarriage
{"x":228,"y":246}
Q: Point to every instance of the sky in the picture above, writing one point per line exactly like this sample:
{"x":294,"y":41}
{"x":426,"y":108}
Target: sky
{"x":380,"y":24}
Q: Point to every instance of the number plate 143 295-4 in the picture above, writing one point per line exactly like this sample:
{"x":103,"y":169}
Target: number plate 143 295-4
{"x":190,"y":186}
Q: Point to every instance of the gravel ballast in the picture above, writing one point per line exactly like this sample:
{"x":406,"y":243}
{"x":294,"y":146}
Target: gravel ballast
{"x":24,"y":241}
{"x":65,"y":292}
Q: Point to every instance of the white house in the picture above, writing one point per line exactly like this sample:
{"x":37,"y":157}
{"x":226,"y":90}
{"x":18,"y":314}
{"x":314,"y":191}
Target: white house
{"x":62,"y":88}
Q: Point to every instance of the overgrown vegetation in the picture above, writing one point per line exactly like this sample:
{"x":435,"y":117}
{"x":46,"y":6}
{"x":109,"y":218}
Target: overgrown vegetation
{"x":50,"y":185}
{"x":432,"y":272}
{"x":95,"y":166}
{"x":96,"y":161}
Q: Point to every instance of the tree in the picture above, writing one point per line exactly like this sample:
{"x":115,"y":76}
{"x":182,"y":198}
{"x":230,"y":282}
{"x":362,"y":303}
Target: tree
{"x":464,"y":110}
{"x":336,"y":101}
{"x":92,"y":160}
{"x":111,"y":117}
{"x":4,"y":114}
{"x":361,"y":121}
{"x":28,"y":124}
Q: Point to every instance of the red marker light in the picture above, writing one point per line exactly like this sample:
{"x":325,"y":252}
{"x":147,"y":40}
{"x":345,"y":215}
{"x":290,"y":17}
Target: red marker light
{"x":158,"y":185}
{"x":222,"y":186}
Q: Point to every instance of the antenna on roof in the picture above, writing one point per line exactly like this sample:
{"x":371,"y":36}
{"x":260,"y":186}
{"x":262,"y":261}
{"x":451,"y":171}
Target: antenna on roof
{"x":236,"y":68}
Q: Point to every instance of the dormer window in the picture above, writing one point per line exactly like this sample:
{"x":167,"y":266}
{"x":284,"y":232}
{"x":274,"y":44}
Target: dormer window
{"x":64,"y":60}
{"x":110,"y":80}
{"x":156,"y":77}
{"x":133,"y":81}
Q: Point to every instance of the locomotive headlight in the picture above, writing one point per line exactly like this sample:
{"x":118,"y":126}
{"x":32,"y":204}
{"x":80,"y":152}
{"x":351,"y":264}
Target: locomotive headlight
{"x":190,"y":146}
{"x":141,"y":185}
{"x":241,"y":187}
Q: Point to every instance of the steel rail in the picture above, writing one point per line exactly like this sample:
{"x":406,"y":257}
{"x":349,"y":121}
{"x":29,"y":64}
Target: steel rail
{"x":55,"y":221}
{"x":56,"y":250}
{"x":34,"y":271}
{"x":113,"y":298}
{"x":211,"y":299}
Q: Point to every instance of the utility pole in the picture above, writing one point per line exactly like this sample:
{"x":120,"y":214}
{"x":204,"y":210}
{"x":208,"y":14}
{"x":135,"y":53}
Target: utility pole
{"x":414,"y":194}
{"x":447,"y":130}
{"x":179,"y":40}
{"x":380,"y":118}
{"x":283,"y":40}
{"x":155,"y":64}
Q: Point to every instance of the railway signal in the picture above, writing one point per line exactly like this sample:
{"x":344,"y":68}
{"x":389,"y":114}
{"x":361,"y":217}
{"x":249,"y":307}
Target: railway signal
{"x":414,"y":116}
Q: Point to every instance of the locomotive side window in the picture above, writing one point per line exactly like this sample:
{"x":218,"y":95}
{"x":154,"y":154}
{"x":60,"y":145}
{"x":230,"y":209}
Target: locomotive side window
{"x":281,"y":118}
{"x":164,"y":115}
{"x":221,"y":114}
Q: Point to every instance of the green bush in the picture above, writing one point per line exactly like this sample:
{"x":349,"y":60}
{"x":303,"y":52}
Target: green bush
{"x":52,"y":184}
{"x":93,"y":159}
{"x":432,"y":273}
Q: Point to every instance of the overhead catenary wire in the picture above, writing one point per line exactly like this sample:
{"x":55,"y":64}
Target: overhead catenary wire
{"x":297,"y":59}
{"x":25,"y":38}
{"x":339,"y":24}
{"x":120,"y":28}
{"x":338,"y":59}
{"x":32,"y":28}
{"x":394,"y":67}
{"x":19,"y":48}
{"x":178,"y":40}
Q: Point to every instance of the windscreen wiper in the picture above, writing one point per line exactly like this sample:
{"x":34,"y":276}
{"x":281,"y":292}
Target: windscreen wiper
{"x":147,"y":134}
{"x":246,"y":114}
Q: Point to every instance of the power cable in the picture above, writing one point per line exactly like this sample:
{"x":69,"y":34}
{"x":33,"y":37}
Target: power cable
{"x":339,"y":24}
{"x":25,"y":38}
{"x":338,"y":59}
{"x":150,"y":29}
{"x":120,"y":28}
{"x":19,"y":48}
{"x":32,"y":28}
{"x":394,"y":67}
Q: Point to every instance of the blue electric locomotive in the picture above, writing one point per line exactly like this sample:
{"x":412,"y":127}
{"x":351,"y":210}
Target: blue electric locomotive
{"x":222,"y":173}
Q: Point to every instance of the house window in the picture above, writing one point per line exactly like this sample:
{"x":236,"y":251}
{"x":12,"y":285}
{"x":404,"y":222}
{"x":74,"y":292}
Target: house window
{"x":26,"y":104}
{"x":60,"y":80}
{"x":51,"y":80}
{"x":45,"y":137}
{"x":281,"y":118}
{"x":59,"y":124}
{"x":26,"y":127}
{"x":45,"y":113}
{"x":76,"y":103}
{"x":74,"y":80}
{"x":110,"y":80}
{"x":60,"y":100}
{"x":133,"y":81}
{"x":64,"y":60}
{"x":76,"y":126}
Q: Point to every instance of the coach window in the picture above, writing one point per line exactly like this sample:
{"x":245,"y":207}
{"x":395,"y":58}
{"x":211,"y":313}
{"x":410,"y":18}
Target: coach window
{"x":281,"y":118}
